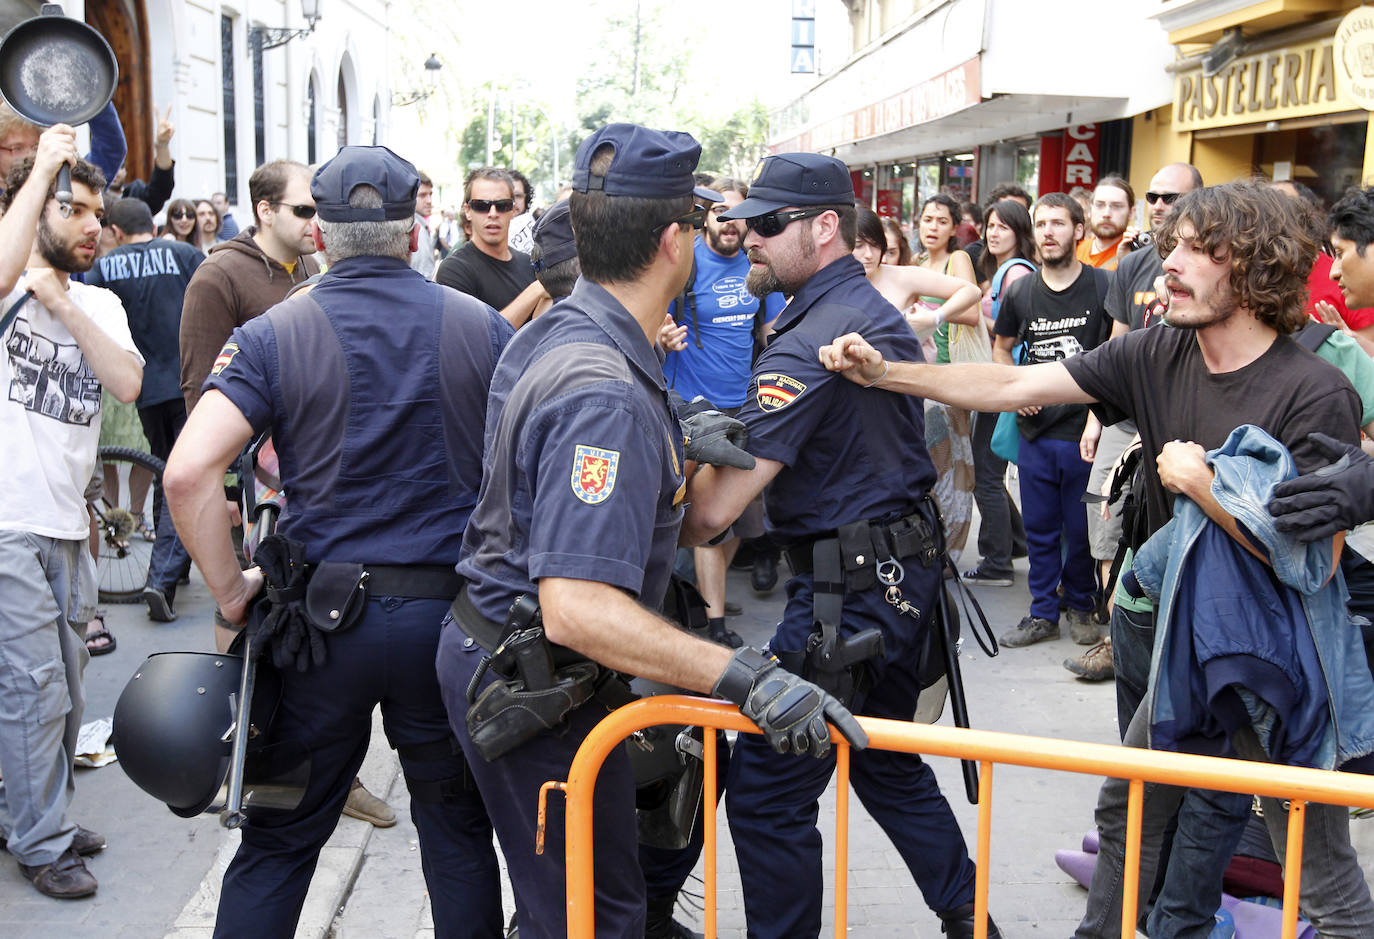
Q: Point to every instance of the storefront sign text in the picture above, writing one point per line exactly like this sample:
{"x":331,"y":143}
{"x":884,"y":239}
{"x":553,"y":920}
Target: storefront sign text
{"x":1298,"y":81}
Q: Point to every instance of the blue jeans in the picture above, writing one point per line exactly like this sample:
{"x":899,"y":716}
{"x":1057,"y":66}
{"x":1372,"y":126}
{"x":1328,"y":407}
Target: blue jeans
{"x":1053,"y":480}
{"x":1000,"y":531}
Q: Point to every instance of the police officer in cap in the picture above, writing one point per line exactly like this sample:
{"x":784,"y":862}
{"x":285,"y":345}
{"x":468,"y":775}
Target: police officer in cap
{"x":848,"y":478}
{"x":374,"y":388}
{"x":577,"y":527}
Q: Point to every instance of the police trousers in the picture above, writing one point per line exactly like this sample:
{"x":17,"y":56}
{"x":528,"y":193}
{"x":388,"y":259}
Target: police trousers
{"x":387,"y":659}
{"x":771,"y":799}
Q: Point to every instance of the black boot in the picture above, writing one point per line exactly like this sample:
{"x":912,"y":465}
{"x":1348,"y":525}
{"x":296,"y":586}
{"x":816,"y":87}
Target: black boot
{"x":659,"y":924}
{"x":958,"y":923}
{"x":764,"y":576}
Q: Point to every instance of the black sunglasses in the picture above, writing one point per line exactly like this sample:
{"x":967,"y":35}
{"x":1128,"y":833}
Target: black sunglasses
{"x":1168,"y":198}
{"x":483,"y":206}
{"x":300,"y":211}
{"x":181,"y":213}
{"x":695,"y":219}
{"x":774,"y":222}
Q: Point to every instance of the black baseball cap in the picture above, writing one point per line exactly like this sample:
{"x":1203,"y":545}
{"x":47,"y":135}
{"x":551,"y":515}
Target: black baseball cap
{"x":554,"y":235}
{"x":795,"y":179}
{"x":393,"y":176}
{"x":649,"y":164}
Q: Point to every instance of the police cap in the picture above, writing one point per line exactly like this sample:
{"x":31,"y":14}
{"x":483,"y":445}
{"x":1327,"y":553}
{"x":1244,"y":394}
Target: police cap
{"x":798,"y":179}
{"x":392,"y":176}
{"x":648,"y":164}
{"x":554,"y":235}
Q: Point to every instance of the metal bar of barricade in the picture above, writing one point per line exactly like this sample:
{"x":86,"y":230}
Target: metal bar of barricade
{"x":1292,"y":867}
{"x":984,"y":860}
{"x":1130,"y":888}
{"x":1298,"y":784}
{"x":708,"y":847}
{"x":841,"y":835}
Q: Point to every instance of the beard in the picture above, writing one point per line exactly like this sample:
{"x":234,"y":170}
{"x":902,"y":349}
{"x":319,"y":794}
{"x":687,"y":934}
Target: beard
{"x":60,"y":256}
{"x":1218,"y":305}
{"x":762,"y":281}
{"x":1064,"y":259}
{"x":716,"y":239}
{"x":1107,"y":230}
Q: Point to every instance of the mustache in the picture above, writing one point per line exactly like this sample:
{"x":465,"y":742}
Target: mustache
{"x":755,"y":256}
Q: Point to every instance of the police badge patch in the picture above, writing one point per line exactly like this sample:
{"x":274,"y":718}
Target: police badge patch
{"x":593,"y":474}
{"x":226,"y":355}
{"x":777,"y":391}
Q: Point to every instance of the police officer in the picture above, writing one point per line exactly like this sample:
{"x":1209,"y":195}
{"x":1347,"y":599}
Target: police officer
{"x":579,"y":514}
{"x":374,"y":387}
{"x":848,"y":477}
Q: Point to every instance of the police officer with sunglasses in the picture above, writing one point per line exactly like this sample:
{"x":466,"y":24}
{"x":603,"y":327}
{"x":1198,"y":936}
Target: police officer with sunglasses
{"x":848,"y":478}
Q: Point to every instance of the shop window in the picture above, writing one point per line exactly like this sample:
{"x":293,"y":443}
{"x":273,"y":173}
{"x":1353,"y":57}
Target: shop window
{"x":229,"y":104}
{"x":1028,"y":169}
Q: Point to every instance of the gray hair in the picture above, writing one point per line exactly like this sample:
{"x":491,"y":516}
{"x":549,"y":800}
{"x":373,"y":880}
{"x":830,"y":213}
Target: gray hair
{"x":343,"y":240}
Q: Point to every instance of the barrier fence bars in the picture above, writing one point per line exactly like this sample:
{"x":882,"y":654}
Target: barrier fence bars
{"x":1297,"y":784}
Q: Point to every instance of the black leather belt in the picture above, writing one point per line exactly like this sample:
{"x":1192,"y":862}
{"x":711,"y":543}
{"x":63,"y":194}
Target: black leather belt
{"x":489,"y":634}
{"x":911,"y":535}
{"x":416,"y":581}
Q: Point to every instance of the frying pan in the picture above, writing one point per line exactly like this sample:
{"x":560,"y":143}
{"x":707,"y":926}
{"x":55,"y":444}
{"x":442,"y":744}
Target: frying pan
{"x":57,"y":70}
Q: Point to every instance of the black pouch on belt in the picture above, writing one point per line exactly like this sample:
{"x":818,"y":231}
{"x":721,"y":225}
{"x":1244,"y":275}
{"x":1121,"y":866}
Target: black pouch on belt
{"x":834,"y":662}
{"x":336,"y":595}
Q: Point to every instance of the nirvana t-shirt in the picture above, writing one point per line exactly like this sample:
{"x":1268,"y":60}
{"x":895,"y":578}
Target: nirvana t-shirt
{"x":150,"y":280}
{"x":495,"y":283}
{"x":1157,"y":377}
{"x":1055,"y":325}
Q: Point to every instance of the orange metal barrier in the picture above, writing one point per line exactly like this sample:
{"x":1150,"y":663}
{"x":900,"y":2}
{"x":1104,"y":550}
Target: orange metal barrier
{"x":1298,"y":785}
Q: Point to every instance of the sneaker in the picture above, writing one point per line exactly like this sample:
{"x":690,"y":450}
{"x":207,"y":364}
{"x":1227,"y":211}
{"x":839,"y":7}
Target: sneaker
{"x":63,"y":879}
{"x":1030,"y":630}
{"x":159,"y":605}
{"x":364,"y":805}
{"x":1095,"y":664}
{"x":1082,"y":627}
{"x":85,"y":842}
{"x":764,"y":575}
{"x":980,"y":578}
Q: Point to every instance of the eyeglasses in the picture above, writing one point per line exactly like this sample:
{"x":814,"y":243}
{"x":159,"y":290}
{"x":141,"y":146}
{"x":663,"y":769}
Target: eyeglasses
{"x":300,"y":211}
{"x":1168,"y":198}
{"x":181,"y":213}
{"x":483,"y":206}
{"x":766,"y":226}
{"x":695,"y":220}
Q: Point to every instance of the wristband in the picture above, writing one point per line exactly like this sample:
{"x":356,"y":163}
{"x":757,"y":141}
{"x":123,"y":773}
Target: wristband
{"x":880,"y":377}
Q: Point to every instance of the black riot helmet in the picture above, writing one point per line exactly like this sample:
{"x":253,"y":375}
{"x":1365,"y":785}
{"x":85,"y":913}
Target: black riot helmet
{"x":173,"y":731}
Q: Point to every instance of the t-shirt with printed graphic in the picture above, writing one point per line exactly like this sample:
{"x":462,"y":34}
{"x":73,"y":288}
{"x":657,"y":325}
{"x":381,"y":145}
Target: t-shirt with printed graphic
{"x":1055,"y":325}
{"x":50,"y":413}
{"x":1131,"y":294}
{"x":719,"y":318}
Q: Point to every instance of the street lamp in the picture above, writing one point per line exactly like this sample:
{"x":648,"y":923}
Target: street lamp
{"x":265,"y":37}
{"x":432,"y":67}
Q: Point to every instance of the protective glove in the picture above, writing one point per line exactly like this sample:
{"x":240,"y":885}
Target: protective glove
{"x":789,"y":710}
{"x":1334,"y":498}
{"x":710,"y":436}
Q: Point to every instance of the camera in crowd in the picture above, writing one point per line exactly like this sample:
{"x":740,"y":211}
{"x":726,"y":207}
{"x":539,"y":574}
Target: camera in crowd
{"x":1142,"y":240}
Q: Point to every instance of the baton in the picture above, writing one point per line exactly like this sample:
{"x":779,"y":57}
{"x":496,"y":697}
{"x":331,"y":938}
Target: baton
{"x":957,"y":702}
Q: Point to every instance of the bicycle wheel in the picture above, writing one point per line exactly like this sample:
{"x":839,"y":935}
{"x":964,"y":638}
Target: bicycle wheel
{"x":124,"y":518}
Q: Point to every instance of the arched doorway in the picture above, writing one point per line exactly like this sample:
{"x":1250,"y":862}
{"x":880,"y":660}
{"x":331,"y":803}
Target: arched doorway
{"x":124,"y":24}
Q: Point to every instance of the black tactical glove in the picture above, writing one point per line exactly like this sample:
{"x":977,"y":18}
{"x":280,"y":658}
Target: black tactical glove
{"x":1334,"y":498}
{"x":711,"y":436}
{"x":789,"y":710}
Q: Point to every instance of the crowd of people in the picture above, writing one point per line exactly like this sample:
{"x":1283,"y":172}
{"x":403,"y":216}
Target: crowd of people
{"x":520,"y":449}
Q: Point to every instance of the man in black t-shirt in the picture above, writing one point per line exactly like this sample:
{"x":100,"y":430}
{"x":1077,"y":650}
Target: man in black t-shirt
{"x":1058,"y":314}
{"x":1236,"y":266}
{"x":487,"y":267}
{"x":150,"y":276}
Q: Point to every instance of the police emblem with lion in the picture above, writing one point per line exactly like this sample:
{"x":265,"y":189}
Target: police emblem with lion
{"x":593,"y":473}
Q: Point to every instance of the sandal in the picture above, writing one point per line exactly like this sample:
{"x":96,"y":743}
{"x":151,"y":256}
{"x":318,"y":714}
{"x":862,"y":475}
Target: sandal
{"x":146,"y":532}
{"x":104,"y":641}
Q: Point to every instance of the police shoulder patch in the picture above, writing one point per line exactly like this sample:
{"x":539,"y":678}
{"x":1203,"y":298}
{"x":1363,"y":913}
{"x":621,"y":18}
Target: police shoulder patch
{"x":776,"y":391}
{"x":226,"y":355}
{"x":593,"y":473}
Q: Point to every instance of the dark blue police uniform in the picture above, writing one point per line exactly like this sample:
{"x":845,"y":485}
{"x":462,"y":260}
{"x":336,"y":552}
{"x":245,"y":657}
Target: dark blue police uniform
{"x":849,"y":454}
{"x":374,"y":387}
{"x":584,"y":481}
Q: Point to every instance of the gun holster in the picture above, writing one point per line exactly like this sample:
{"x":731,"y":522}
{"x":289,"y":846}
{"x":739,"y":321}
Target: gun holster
{"x":531,"y":696}
{"x":834,"y":663}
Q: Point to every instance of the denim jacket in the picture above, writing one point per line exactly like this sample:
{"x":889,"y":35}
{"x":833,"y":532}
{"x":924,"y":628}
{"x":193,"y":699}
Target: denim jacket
{"x":1240,"y":643}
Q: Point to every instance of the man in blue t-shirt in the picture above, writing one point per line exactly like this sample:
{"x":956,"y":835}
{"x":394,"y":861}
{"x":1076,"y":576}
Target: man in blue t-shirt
{"x":723,"y":320}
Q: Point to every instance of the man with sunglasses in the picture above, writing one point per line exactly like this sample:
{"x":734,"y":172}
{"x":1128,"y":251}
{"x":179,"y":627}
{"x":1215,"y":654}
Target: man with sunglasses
{"x":569,"y":551}
{"x":243,"y":277}
{"x":848,"y":478}
{"x":487,"y":267}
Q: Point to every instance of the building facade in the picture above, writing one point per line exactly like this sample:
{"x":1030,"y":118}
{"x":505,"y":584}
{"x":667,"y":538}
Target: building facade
{"x":235,"y":103}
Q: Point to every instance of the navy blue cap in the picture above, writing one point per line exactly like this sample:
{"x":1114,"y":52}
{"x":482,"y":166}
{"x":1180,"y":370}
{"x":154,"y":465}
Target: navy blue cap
{"x":798,"y":179}
{"x":554,"y":235}
{"x":394,"y":177}
{"x":649,"y":164}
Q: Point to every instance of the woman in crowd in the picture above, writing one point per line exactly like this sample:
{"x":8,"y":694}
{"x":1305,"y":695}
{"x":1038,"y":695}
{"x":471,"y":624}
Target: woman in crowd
{"x":898,"y":252}
{"x":928,"y":298}
{"x":1008,"y":256}
{"x":181,"y":221}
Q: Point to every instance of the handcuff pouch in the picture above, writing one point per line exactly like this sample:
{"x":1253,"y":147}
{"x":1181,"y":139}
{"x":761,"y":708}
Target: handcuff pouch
{"x":336,"y":595}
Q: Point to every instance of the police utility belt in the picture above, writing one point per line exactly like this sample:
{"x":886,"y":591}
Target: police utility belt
{"x":538,"y":685}
{"x":858,"y":556}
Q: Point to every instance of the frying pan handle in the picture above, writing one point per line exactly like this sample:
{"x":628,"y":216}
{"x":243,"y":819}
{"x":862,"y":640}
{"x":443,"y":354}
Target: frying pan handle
{"x":64,"y":185}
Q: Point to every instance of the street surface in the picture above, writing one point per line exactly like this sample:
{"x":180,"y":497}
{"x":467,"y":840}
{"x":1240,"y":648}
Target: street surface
{"x":160,"y":874}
